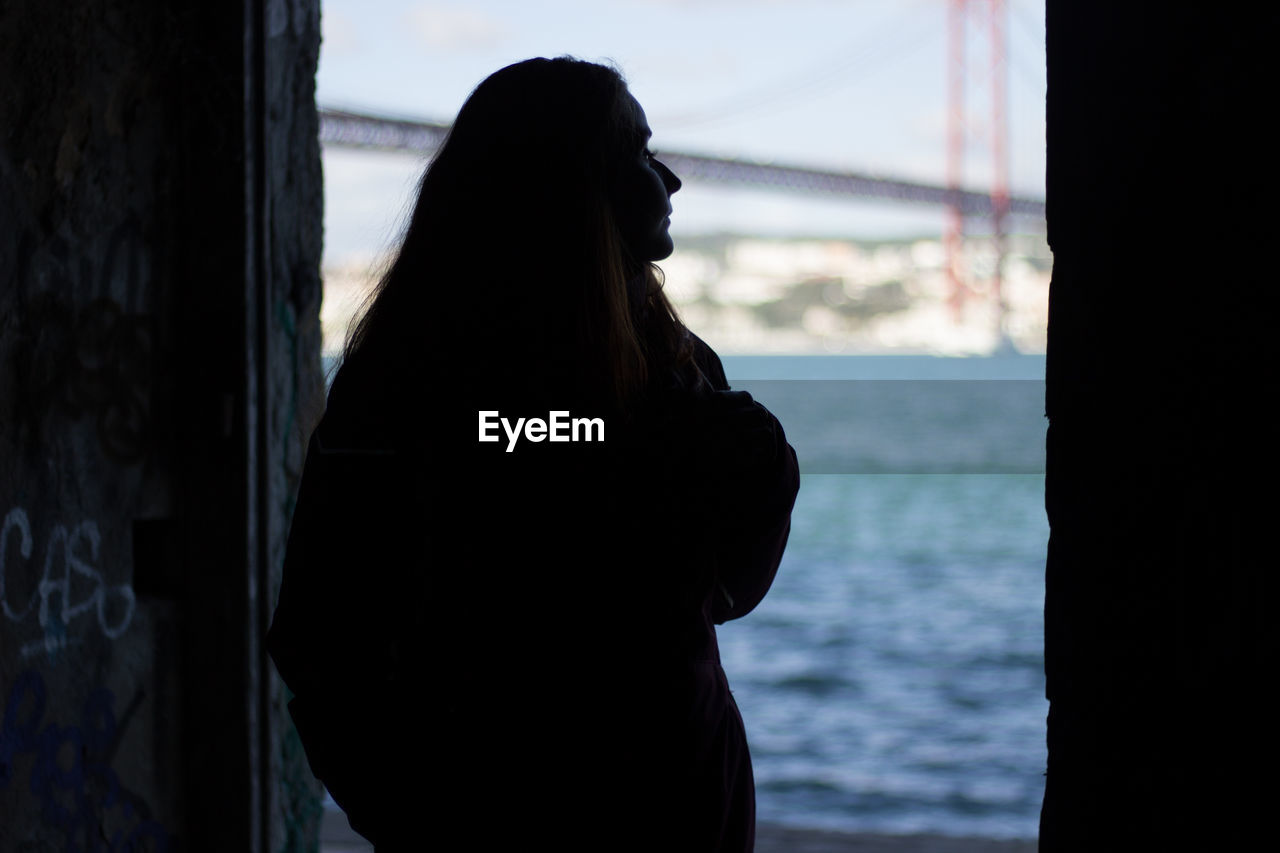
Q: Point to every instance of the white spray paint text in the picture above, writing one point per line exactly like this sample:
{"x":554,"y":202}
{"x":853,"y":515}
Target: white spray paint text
{"x":71,"y":546}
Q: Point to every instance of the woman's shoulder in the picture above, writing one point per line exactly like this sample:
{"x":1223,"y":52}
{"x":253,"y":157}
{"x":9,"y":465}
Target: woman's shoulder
{"x":373,"y":407}
{"x":355,"y":416}
{"x":709,"y":363}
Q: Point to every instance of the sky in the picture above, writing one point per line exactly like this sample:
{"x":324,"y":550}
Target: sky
{"x":842,"y":84}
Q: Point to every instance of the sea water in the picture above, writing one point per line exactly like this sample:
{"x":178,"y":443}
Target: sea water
{"x":893,"y":678}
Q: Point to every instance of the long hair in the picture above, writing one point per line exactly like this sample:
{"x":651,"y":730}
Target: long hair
{"x":512,"y":268}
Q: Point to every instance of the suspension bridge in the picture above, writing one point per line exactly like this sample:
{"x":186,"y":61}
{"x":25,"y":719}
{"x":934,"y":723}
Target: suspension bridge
{"x":348,"y":129}
{"x":353,"y":129}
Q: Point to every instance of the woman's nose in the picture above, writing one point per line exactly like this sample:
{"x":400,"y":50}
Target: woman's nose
{"x":670,"y":180}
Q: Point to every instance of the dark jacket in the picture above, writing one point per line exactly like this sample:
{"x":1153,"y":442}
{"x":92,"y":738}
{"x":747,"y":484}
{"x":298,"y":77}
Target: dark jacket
{"x":517,"y":645}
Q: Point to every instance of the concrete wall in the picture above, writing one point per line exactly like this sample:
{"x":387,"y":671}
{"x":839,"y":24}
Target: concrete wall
{"x":1161,"y":475}
{"x":160,"y":207}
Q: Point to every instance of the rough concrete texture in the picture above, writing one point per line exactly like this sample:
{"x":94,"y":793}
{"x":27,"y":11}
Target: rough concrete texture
{"x":1160,"y":635}
{"x":86,"y":661}
{"x":119,"y":414}
{"x":294,"y":190}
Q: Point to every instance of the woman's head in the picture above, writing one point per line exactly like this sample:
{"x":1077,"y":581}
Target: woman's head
{"x":640,"y":190}
{"x":539,"y":208}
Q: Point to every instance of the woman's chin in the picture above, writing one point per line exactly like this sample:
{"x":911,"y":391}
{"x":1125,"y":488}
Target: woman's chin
{"x":663,"y":248}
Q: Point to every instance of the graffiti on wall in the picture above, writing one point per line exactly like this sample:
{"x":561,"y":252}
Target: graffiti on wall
{"x":84,"y":349}
{"x":70,"y":585}
{"x":93,"y":362}
{"x":70,"y":773}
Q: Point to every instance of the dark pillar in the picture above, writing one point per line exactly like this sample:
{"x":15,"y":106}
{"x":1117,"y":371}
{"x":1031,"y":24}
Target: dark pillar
{"x":1160,"y":643}
{"x":160,"y":210}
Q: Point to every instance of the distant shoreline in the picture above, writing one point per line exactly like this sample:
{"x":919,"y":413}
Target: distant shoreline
{"x":872,"y":366}
{"x":884,"y":366}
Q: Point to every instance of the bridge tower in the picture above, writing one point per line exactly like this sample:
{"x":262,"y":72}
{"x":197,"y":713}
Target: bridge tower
{"x":961,"y":128}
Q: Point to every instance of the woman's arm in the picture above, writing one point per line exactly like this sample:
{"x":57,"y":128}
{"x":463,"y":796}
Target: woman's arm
{"x":755,"y":478}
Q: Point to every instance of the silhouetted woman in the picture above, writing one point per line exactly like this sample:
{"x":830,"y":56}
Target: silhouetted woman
{"x":503,"y":635}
